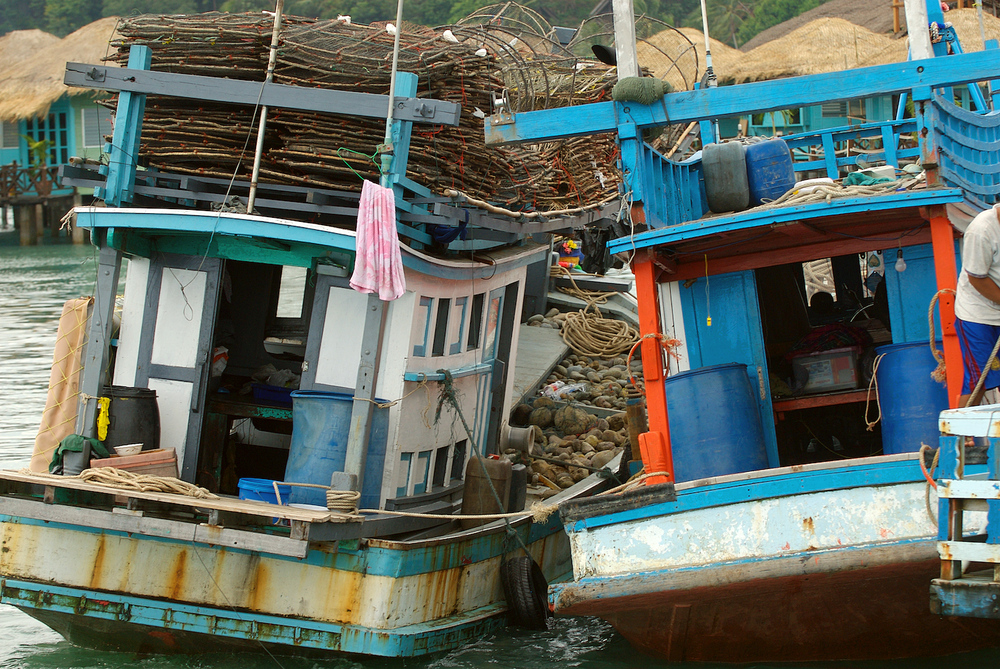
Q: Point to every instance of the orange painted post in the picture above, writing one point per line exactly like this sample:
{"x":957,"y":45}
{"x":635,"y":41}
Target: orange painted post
{"x":655,"y":444}
{"x":945,"y":270}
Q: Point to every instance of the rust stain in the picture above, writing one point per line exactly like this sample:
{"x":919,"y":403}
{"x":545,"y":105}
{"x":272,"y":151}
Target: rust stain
{"x":95,"y":574}
{"x":808,"y":525}
{"x":258,"y":587}
{"x":176,"y":575}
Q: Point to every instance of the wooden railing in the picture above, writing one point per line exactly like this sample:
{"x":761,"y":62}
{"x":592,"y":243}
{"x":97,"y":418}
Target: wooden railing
{"x":25,"y":182}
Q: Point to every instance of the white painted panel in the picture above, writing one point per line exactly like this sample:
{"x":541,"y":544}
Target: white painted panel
{"x":340,"y":348}
{"x":173,"y":398}
{"x":672,"y":321}
{"x":136,"y":279}
{"x":178,"y":320}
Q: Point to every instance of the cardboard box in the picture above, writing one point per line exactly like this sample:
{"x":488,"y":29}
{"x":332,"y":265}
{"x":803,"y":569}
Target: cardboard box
{"x":828,"y":371}
{"x":161,"y":462}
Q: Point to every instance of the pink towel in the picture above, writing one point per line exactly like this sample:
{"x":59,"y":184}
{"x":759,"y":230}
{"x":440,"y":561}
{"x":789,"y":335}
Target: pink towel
{"x":378,"y":265}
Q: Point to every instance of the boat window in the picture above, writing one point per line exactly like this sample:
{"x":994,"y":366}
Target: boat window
{"x":424,"y":312}
{"x":457,"y":326}
{"x":291,"y":292}
{"x":476,"y":321}
{"x":458,"y":460}
{"x":421,"y":472}
{"x":441,"y":466}
{"x":403,"y":473}
{"x":441,"y":327}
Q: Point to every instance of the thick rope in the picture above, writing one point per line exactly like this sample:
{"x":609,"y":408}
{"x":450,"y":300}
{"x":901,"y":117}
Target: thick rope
{"x":931,"y":483}
{"x":939,"y":373}
{"x":588,"y":333}
{"x":868,"y":398}
{"x":120,"y":478}
{"x":669,"y":345}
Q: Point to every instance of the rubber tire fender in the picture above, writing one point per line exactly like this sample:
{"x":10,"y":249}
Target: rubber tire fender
{"x":526,"y":592}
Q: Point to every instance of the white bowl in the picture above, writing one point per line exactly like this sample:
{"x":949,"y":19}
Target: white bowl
{"x":128,"y":449}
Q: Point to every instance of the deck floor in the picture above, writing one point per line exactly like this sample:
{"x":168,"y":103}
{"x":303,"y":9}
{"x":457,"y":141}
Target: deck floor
{"x":539,"y":350}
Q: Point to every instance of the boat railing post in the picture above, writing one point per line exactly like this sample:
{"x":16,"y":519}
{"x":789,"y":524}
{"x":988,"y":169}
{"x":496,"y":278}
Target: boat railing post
{"x":120,"y":183}
{"x":946,"y":274}
{"x":654,"y":444}
{"x":109,"y":263}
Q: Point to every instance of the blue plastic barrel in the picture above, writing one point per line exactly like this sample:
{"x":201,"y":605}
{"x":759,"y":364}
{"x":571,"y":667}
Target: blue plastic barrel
{"x":725,"y":168}
{"x":320,"y":425}
{"x":262,"y":490}
{"x":715,"y":426}
{"x":909,"y":398}
{"x":769,"y":170}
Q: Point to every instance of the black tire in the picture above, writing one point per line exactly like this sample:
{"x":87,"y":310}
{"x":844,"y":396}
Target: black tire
{"x":526,"y":592}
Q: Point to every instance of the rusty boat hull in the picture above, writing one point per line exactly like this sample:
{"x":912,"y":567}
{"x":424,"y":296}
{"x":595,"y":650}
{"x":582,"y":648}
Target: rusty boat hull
{"x":811,"y":563}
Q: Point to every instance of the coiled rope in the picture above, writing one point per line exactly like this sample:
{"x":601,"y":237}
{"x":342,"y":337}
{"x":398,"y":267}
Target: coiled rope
{"x":126,"y":480}
{"x":587,"y":331}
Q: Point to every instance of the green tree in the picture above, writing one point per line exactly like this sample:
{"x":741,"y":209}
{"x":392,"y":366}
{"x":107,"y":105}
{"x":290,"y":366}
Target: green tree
{"x":64,"y":16}
{"x":725,"y":18}
{"x":21,"y":15}
{"x":769,"y":13}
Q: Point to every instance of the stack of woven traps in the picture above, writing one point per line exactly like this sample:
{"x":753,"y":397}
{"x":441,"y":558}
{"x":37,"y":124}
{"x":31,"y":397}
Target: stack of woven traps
{"x":472,"y":66}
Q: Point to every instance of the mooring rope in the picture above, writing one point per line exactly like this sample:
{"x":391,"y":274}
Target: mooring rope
{"x":126,"y":480}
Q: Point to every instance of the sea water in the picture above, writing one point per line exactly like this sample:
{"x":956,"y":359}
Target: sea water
{"x":34,"y":283}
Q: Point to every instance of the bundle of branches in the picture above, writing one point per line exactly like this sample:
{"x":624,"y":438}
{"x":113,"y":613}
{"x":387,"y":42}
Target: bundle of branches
{"x":472,"y":65}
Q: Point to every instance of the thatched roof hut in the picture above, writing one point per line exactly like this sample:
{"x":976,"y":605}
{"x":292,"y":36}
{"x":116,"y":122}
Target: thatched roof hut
{"x":832,"y":45}
{"x":657,"y":51}
{"x":873,"y":15}
{"x":31,"y":78}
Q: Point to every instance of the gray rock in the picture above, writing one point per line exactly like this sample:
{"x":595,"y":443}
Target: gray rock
{"x":537,"y":318}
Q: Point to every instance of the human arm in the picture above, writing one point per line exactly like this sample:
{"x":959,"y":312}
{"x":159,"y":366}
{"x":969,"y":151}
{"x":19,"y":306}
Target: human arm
{"x":986,"y":286}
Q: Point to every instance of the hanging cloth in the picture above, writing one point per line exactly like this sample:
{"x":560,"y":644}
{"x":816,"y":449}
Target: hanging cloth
{"x":378,"y":264}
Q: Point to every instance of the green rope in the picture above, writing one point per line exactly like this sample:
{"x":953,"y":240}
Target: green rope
{"x":644,"y":90}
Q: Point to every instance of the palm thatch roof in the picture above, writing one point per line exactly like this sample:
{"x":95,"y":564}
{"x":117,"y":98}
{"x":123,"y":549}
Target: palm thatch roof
{"x":833,"y":45}
{"x":686,"y":48}
{"x":874,"y":15}
{"x":31,"y":78}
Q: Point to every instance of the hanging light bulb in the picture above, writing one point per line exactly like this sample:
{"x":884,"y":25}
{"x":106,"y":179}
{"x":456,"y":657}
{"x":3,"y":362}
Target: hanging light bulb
{"x":900,"y":263}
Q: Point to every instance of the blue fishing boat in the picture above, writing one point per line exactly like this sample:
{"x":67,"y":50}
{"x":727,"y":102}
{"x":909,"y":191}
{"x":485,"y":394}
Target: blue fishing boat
{"x":400,"y":394}
{"x":775,"y":520}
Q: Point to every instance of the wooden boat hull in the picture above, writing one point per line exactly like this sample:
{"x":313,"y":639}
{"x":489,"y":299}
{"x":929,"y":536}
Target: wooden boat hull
{"x":100,"y":587}
{"x":814,"y":563}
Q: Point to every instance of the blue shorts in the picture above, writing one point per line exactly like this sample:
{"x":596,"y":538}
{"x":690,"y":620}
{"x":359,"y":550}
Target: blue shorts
{"x":977,"y":342}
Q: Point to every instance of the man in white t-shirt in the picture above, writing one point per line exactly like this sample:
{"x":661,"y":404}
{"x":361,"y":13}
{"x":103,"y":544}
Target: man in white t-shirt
{"x":977,"y":302}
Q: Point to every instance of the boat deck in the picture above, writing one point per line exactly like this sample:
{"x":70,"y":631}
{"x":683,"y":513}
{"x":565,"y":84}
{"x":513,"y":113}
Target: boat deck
{"x":539,"y":350}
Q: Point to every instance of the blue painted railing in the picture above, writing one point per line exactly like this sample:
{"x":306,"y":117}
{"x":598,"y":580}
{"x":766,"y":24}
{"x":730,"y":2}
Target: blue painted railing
{"x":674,"y":192}
{"x":884,"y":134}
{"x":968,"y":146}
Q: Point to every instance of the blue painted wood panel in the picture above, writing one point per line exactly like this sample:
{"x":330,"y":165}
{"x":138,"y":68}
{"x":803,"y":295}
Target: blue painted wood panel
{"x":910,"y":292}
{"x":735,"y":335}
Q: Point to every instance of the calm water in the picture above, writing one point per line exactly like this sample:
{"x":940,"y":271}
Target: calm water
{"x":34,"y":283}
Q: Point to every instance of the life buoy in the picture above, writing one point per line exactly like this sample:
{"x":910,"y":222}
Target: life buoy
{"x":526,"y":592}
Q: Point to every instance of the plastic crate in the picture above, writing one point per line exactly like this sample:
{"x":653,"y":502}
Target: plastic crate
{"x":273,"y":394}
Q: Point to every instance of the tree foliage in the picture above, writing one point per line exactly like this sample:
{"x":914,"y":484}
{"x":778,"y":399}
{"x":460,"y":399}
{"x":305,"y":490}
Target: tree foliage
{"x":731,"y":21}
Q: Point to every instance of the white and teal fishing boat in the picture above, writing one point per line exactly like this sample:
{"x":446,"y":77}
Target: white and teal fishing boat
{"x":154,"y":571}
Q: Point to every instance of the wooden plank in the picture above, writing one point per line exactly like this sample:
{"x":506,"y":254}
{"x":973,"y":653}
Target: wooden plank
{"x":539,"y":350}
{"x":134,"y":523}
{"x":824,"y":400}
{"x":970,"y":551}
{"x":228,"y":504}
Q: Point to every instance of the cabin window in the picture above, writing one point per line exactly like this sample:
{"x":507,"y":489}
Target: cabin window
{"x":476,"y":321}
{"x":458,"y":325}
{"x":10,"y":136}
{"x":458,"y":460}
{"x":421,"y":472}
{"x":441,"y":327}
{"x":96,"y":122}
{"x":424,"y":312}
{"x":441,"y":466}
{"x":403,"y":473}
{"x":492,"y":321}
{"x":853,"y":109}
{"x":291,"y":292}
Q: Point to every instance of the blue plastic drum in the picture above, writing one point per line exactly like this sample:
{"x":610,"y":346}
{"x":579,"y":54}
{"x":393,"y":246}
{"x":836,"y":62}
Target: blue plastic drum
{"x":715,"y":426}
{"x":909,"y":398}
{"x":769,"y":170}
{"x":320,"y":426}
